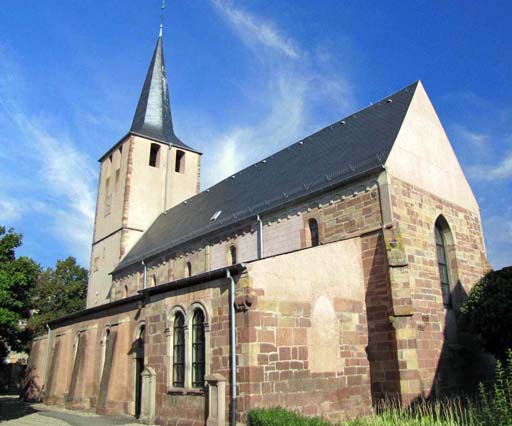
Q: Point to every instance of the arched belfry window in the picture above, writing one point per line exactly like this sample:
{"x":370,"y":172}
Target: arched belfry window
{"x":198,"y":349}
{"x":443,"y":239}
{"x":313,"y":232}
{"x":178,"y":351}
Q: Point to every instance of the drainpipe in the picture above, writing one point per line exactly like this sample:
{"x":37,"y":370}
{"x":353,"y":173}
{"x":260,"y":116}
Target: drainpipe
{"x":43,"y":390}
{"x":166,"y":178}
{"x":145,"y":276}
{"x":260,"y":237}
{"x":232,"y":347}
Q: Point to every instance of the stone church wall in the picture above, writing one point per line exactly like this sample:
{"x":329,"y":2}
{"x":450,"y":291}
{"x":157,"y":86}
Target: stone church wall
{"x":431,"y":328}
{"x":304,"y":347}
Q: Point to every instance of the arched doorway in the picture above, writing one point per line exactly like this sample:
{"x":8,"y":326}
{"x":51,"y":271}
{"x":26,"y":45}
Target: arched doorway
{"x":139,"y":368}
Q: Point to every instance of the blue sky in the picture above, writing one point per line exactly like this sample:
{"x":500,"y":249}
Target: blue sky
{"x":246,"y":79}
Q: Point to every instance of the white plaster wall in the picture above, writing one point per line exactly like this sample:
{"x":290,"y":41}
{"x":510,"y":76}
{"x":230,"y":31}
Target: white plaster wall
{"x":423,"y":156}
{"x":332,"y":270}
{"x":100,"y":282}
{"x":106,"y":224}
{"x":322,"y":276}
{"x":182,"y":186}
{"x":282,"y":236}
{"x":246,"y":245}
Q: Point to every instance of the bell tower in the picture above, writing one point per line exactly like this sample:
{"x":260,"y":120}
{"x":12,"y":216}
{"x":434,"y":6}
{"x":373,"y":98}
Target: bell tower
{"x":147,"y":172}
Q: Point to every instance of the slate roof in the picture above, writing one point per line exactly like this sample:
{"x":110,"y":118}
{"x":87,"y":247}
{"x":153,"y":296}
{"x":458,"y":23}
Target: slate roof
{"x":153,"y":113}
{"x":355,"y":146}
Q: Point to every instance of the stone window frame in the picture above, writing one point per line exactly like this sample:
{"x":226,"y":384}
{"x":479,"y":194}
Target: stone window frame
{"x":188,"y":314}
{"x":306,"y":232}
{"x":188,"y":351}
{"x":442,"y":225}
{"x":169,"y":331}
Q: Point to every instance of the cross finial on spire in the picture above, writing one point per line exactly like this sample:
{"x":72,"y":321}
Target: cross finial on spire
{"x":162,"y":7}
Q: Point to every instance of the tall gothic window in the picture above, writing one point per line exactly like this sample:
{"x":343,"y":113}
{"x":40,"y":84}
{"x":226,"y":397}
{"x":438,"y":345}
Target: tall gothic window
{"x":442,"y":263}
{"x":178,"y":358}
{"x":198,"y":349}
{"x":313,"y":232}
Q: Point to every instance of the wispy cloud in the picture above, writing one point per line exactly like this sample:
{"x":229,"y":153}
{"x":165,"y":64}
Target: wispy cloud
{"x":10,"y":212}
{"x":54,"y":178}
{"x":470,"y":136}
{"x":296,"y":82}
{"x":490,"y":172}
{"x":252,"y":28}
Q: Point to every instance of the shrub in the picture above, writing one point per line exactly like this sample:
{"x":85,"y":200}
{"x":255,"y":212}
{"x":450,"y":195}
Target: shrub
{"x":487,"y":312}
{"x":281,"y":417}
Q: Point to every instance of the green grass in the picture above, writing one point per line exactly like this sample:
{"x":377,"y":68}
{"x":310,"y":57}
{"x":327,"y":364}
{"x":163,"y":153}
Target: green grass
{"x":491,"y":407}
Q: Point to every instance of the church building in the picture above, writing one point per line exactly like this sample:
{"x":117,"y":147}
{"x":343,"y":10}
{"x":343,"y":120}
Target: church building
{"x":322,"y":279}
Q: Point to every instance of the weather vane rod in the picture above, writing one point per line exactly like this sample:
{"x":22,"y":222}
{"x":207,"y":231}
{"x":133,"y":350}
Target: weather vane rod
{"x":162,"y":7}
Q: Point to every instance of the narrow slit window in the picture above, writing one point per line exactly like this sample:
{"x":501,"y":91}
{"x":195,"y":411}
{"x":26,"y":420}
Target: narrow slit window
{"x":178,"y":359}
{"x":154,"y":155}
{"x":198,"y":349}
{"x":232,"y":254}
{"x":189,"y":269}
{"x":179,"y":167}
{"x":313,"y":232}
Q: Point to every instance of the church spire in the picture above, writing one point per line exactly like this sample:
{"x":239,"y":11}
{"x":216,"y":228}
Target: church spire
{"x":153,"y":114}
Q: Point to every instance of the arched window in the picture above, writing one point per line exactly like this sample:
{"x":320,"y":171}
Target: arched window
{"x":125,"y":291}
{"x":178,"y":351}
{"x":198,"y":349}
{"x":442,"y":232}
{"x":313,"y":232}
{"x":189,"y":269}
{"x":232,"y":254}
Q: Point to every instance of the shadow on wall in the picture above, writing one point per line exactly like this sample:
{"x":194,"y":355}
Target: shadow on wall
{"x":462,"y":363}
{"x":382,"y":344}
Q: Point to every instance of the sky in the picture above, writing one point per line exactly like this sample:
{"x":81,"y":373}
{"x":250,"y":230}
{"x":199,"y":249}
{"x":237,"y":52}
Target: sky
{"x":246,"y":78}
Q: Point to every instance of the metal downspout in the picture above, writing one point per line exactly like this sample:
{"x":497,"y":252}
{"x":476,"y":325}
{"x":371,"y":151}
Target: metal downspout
{"x":260,"y":237}
{"x":166,"y":178}
{"x":43,"y":391}
{"x":145,"y":276}
{"x":232,"y":347}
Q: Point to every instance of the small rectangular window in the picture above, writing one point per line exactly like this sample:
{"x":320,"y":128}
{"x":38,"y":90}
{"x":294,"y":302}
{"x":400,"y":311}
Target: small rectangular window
{"x":179,"y":167}
{"x":154,"y":155}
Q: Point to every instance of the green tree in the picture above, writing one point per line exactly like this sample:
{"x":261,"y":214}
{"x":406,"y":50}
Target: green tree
{"x":17,"y":278}
{"x":487,"y":313}
{"x":58,"y":292}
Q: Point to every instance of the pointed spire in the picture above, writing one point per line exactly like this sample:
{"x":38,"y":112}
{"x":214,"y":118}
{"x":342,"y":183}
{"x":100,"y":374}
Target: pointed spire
{"x":153,"y":114}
